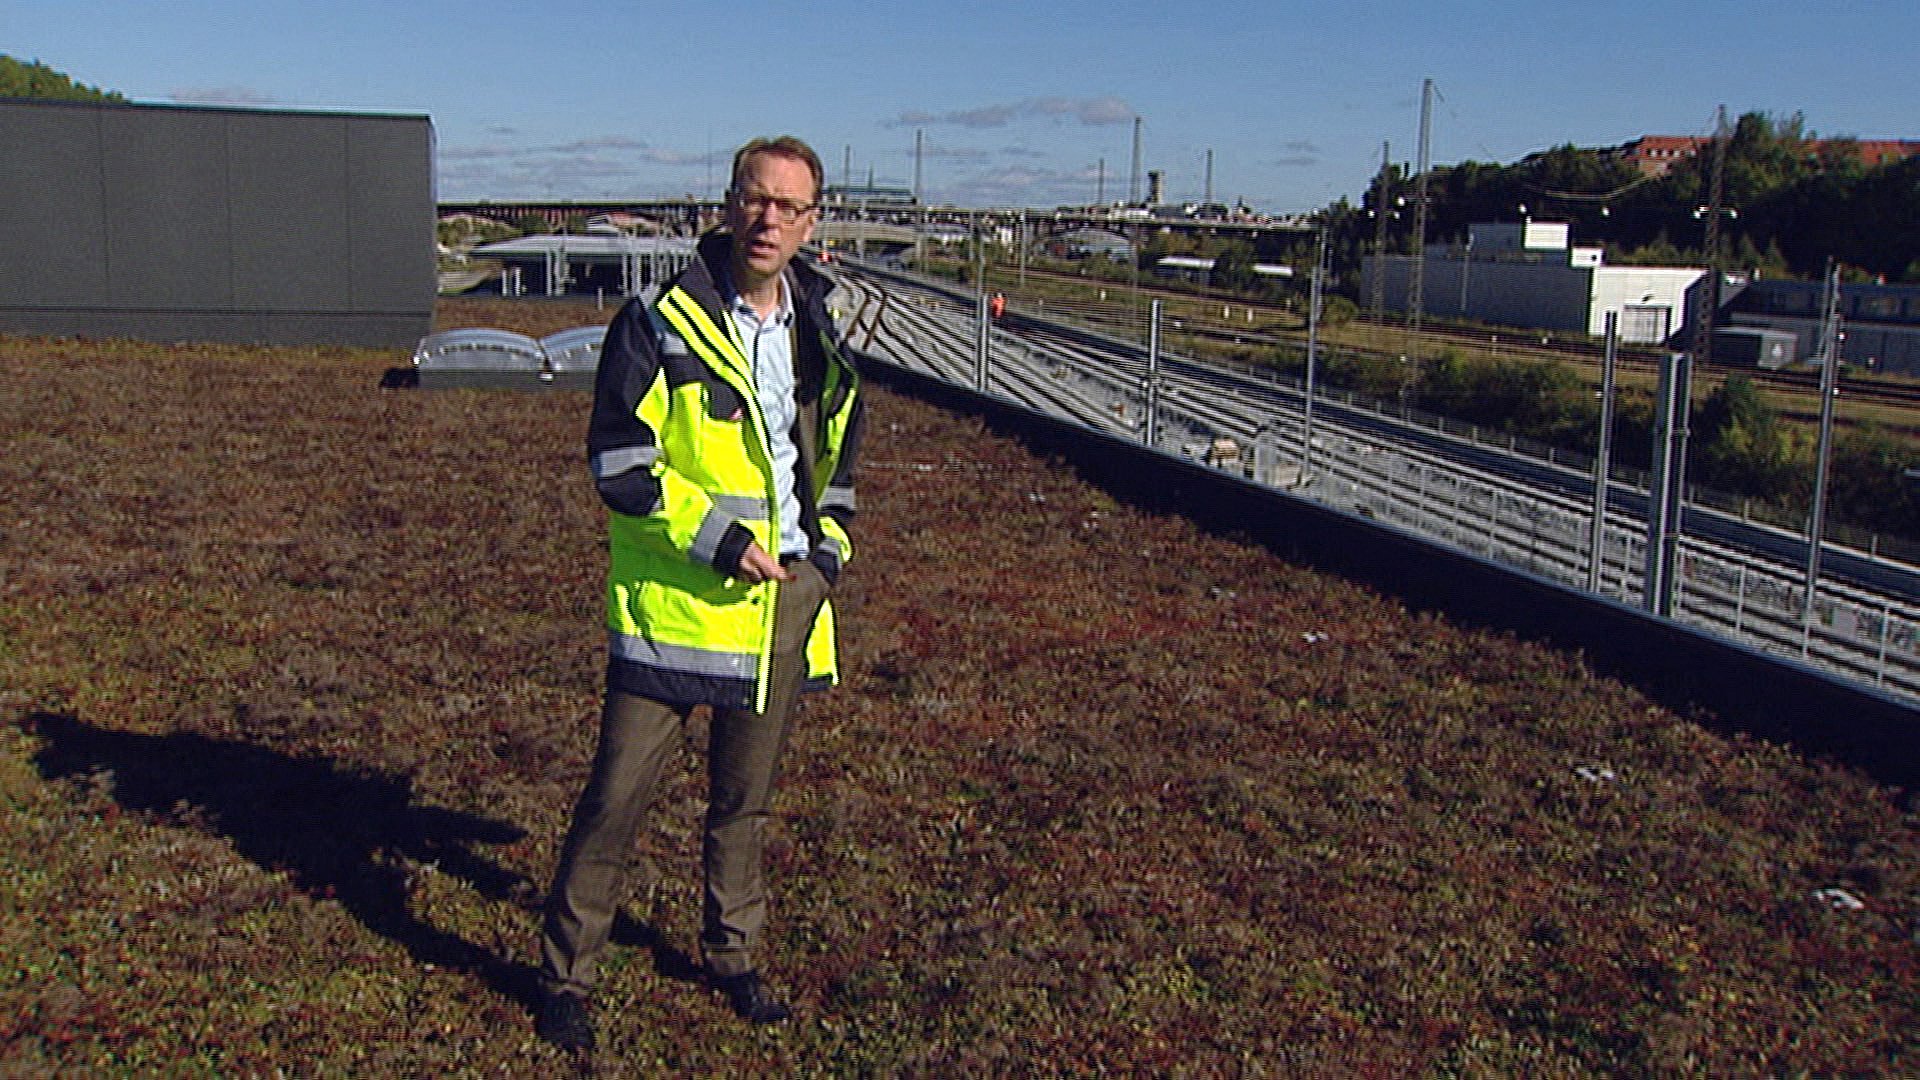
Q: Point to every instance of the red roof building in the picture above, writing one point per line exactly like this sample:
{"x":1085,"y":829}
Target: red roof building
{"x":1656,"y":155}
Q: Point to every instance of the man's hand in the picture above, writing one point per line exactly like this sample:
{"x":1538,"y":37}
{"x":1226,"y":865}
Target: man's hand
{"x":757,"y":566}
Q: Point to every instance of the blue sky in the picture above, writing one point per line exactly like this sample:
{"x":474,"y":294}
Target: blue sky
{"x":1014,"y":104}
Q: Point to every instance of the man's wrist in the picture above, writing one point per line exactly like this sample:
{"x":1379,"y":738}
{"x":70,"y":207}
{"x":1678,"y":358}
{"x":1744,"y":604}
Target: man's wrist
{"x":732,"y":548}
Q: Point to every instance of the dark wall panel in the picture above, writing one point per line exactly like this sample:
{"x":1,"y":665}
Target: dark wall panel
{"x":290,"y":193}
{"x":53,"y":235}
{"x":169,"y":235}
{"x":174,"y":223}
{"x":386,"y":257}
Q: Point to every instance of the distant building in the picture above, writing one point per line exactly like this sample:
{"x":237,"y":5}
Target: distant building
{"x":1755,"y":346}
{"x":1199,"y":270}
{"x":1185,"y":267}
{"x":1880,"y":323}
{"x":941,"y":232}
{"x":623,"y":221}
{"x":1088,"y":243}
{"x":868,"y":196}
{"x":1876,"y":152}
{"x":600,"y":263}
{"x":467,"y":220}
{"x":1528,"y":275}
{"x":1656,"y":155}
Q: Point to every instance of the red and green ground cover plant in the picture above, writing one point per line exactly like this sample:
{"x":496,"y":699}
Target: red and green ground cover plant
{"x":297,"y":682}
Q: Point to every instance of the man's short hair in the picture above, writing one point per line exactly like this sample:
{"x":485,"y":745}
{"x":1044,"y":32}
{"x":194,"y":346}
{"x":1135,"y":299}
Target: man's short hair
{"x":785,"y":146}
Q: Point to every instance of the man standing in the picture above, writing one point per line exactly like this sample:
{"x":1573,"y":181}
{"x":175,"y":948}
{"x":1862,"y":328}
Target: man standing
{"x":726,"y":419}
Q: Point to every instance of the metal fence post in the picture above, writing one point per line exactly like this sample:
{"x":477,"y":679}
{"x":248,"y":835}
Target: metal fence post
{"x":1603,"y":458}
{"x":1152,"y":427}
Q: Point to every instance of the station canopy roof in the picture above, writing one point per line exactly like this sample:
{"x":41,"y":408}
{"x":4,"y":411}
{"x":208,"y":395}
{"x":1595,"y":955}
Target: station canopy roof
{"x":587,"y":247}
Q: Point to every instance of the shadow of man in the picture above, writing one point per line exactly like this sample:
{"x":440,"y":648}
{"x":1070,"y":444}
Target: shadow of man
{"x":338,"y":829}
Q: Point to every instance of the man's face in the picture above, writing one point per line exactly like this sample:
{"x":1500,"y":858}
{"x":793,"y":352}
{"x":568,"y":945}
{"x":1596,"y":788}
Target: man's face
{"x":768,"y":188}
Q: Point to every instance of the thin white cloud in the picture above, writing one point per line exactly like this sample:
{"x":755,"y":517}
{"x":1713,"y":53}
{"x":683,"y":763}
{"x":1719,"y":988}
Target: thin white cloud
{"x":599,"y":148}
{"x":220,"y":95}
{"x":1297,"y":154}
{"x":635,"y":150}
{"x":1091,"y":112}
{"x":601,"y":164}
{"x":962,"y":154}
{"x":1017,"y":185}
{"x":477,"y":153}
{"x":603,"y":142}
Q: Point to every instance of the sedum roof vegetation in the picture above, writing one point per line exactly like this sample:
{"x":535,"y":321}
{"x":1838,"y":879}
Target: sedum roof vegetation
{"x":298,"y":678}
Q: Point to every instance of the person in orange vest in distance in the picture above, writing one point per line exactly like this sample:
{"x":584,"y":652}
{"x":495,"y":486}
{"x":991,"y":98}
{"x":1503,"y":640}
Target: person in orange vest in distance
{"x":998,"y":305}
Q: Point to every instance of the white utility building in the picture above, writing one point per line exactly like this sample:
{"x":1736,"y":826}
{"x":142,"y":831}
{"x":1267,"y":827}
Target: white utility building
{"x":1527,"y":274}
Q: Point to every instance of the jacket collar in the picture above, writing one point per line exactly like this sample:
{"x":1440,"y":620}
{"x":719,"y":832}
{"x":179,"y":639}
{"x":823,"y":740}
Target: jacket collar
{"x":714,"y":251}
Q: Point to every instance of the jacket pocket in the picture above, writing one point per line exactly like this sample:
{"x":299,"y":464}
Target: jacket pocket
{"x":724,"y":403}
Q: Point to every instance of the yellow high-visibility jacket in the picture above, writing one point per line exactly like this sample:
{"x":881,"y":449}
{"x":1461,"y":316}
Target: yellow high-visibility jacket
{"x":678,"y":451}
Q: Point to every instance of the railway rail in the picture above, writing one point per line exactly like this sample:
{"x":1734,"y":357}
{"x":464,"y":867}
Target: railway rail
{"x":1275,"y":326}
{"x":1741,"y":579}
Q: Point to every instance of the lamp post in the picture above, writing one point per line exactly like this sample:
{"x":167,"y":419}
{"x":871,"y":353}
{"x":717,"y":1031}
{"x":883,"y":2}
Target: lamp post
{"x":1313,"y":348}
{"x":983,"y":330}
{"x":1829,"y":378}
{"x":1603,"y":457}
{"x":1023,"y":247}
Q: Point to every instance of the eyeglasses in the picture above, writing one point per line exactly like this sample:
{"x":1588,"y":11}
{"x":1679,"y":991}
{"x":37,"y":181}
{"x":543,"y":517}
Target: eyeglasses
{"x":786,"y":211}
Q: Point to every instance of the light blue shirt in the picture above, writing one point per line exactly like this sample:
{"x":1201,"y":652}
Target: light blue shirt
{"x":769,"y":346}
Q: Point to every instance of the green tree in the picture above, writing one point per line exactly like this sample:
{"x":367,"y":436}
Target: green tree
{"x":1659,"y":251}
{"x":1791,"y":202}
{"x":1870,"y":487}
{"x":1337,"y":310}
{"x":1537,"y":400}
{"x":1233,"y":267}
{"x":1165,"y":243}
{"x":1744,"y":446}
{"x":36,"y":80}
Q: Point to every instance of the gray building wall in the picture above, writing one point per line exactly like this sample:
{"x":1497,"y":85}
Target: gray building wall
{"x":1545,"y":297}
{"x":1883,"y":348}
{"x":1546,"y":292}
{"x":1881,"y":323}
{"x":193,"y":224}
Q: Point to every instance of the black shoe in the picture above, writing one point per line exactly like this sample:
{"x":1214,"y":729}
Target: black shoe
{"x":750,"y":996}
{"x":563,"y":1020}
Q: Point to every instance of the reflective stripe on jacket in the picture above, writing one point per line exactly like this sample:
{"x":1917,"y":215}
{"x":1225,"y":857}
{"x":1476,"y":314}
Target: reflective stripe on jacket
{"x":679,"y":454}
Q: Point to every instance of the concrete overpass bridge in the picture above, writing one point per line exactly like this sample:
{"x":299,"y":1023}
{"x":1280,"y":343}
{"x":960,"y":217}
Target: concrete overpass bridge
{"x":895,"y":227}
{"x":685,"y":216}
{"x":867,"y":239}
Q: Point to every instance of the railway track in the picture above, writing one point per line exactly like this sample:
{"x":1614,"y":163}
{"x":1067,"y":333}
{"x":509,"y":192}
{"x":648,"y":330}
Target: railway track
{"x":1736,"y":576}
{"x":1274,"y":326}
